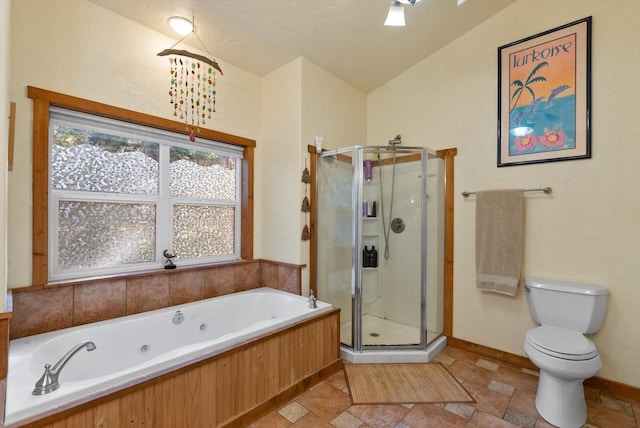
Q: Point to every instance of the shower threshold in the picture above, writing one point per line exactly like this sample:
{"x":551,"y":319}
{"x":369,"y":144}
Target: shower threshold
{"x":380,"y":332}
{"x":394,"y":355}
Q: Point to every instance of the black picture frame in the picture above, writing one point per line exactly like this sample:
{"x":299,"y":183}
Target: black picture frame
{"x":544,"y":96}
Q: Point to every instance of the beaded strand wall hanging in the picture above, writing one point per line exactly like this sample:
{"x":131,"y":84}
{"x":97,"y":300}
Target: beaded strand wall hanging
{"x":192,"y":90}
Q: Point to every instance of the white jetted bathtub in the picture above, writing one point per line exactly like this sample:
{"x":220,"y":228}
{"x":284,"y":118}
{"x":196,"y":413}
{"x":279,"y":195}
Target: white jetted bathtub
{"x":132,"y":349}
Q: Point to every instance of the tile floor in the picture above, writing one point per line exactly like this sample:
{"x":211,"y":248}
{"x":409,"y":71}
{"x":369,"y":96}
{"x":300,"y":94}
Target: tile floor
{"x":504,"y":398}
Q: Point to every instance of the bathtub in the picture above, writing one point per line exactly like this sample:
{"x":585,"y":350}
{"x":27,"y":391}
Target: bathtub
{"x":135,"y":348}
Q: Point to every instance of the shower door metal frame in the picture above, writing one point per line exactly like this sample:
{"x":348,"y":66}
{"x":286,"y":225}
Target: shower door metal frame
{"x":357,"y":156}
{"x":356,"y":244}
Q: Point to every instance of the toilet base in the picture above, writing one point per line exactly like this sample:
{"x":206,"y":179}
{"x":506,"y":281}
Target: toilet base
{"x":560,"y":401}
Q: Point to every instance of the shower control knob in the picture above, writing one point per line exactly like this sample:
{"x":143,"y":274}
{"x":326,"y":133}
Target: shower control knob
{"x":397,"y":225}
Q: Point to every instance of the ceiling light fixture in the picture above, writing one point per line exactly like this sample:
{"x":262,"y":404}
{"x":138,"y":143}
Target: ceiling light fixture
{"x":395,"y":18}
{"x":181,"y":25}
{"x":185,"y":28}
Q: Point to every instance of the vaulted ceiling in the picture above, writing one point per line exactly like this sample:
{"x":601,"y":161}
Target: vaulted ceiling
{"x":345,"y":37}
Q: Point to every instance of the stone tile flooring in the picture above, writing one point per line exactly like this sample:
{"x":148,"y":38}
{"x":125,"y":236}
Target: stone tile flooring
{"x":504,"y":398}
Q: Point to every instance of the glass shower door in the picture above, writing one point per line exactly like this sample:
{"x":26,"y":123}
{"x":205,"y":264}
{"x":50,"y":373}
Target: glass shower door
{"x":335,"y":254}
{"x":376,"y":264}
{"x":393,"y":291}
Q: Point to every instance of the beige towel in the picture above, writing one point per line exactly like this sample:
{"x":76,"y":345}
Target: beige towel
{"x":499,"y":224}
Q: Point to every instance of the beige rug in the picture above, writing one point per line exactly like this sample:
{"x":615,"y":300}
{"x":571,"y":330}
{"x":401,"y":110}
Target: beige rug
{"x":403,"y":383}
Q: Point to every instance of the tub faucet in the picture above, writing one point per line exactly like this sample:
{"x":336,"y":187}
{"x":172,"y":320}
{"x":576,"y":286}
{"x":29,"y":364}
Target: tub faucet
{"x":312,"y":300}
{"x":49,"y":380}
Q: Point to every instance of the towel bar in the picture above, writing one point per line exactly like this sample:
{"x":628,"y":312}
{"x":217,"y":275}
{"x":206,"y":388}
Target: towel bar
{"x":546,"y":190}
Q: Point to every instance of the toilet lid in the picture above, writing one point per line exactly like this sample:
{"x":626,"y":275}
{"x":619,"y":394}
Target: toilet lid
{"x":561,"y":343}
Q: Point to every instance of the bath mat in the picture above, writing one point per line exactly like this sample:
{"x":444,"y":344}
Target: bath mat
{"x":403,"y":383}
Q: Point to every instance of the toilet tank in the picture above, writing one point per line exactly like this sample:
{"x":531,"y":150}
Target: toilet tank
{"x":569,"y":305}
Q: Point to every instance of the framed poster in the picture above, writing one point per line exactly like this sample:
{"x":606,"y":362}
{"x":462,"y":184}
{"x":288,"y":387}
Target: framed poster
{"x":544,"y":96}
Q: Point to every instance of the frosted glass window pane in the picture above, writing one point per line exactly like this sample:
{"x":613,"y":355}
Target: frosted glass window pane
{"x":200,"y":231}
{"x":96,"y":162}
{"x":204,"y":175}
{"x":98,"y":234}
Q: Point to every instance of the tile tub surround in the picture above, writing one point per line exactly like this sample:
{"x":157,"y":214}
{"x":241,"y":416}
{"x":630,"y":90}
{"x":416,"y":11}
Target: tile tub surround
{"x":504,"y":394}
{"x":43,"y":309}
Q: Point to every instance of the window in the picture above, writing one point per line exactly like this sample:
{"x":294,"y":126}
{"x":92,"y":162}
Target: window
{"x":113,"y":188}
{"x":120,"y":194}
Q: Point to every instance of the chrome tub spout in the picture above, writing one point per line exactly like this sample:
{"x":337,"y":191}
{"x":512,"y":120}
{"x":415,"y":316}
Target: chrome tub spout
{"x":312,"y":300}
{"x":49,"y":380}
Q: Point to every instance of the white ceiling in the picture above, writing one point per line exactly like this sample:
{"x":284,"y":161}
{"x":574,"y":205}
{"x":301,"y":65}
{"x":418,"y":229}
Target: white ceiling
{"x":345,"y":37}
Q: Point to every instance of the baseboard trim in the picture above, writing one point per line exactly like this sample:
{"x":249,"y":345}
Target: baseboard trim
{"x":608,"y":387}
{"x":506,"y":357}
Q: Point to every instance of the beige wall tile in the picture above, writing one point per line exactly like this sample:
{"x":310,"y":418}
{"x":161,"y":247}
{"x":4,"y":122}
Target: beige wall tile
{"x":289,"y":279}
{"x":185,"y":287}
{"x":247,"y":276}
{"x":98,"y":301}
{"x":41,"y":311}
{"x":268,"y":275}
{"x":147,"y":293}
{"x":219,"y":281}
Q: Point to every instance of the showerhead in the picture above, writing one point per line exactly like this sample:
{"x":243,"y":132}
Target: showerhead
{"x":396,"y":141}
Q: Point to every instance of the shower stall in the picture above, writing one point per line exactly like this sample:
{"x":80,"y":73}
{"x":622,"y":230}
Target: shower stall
{"x":380,"y":249}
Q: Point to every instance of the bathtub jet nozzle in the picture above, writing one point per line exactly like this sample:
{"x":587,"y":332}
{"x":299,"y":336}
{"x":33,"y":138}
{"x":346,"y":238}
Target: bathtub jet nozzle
{"x":49,"y":380}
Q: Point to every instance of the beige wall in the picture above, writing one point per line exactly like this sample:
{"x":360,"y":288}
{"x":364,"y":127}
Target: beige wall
{"x":278,"y":174}
{"x":80,"y":49}
{"x":4,"y":131}
{"x":335,"y":111}
{"x":589,"y":228}
{"x":299,"y":101}
{"x":331,"y":109}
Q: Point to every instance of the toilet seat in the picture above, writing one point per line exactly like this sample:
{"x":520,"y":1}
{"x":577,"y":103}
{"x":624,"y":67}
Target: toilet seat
{"x":561,"y":343}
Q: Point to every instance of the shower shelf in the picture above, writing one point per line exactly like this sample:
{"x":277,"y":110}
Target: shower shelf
{"x":370,"y":235}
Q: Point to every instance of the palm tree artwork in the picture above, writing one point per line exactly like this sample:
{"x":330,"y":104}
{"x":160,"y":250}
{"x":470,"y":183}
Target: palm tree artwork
{"x":521,"y":86}
{"x":528,"y":142}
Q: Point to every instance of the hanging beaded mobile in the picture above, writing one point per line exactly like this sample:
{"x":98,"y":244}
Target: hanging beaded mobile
{"x":192,"y":89}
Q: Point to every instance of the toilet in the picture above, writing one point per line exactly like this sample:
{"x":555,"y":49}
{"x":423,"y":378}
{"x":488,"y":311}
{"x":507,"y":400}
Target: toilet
{"x":566,"y":311}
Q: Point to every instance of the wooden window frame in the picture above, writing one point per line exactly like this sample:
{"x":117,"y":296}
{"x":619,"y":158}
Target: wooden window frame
{"x":44,"y":99}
